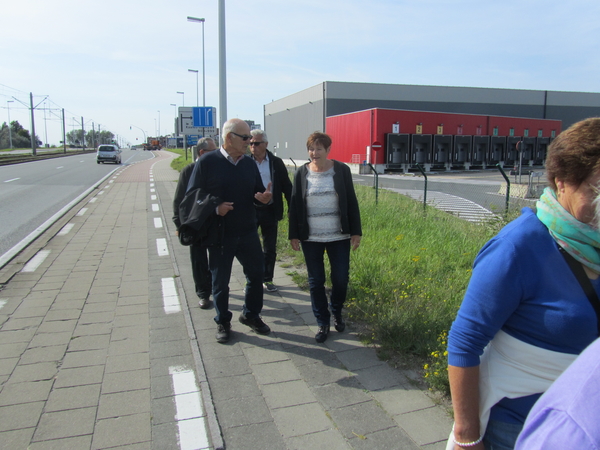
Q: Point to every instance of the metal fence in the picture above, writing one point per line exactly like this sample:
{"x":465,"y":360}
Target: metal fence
{"x":476,"y":196}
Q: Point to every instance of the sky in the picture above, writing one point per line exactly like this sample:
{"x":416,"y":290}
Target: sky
{"x":120,"y":63}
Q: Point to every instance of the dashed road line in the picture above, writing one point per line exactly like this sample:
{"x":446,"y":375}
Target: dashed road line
{"x":190,"y":416}
{"x":161,"y":247}
{"x":36,"y":261}
{"x":171,"y":303}
{"x":65,"y":230}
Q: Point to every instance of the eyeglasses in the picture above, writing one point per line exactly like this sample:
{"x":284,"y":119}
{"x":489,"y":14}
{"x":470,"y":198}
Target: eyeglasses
{"x":244,"y":137}
{"x":257,"y":142}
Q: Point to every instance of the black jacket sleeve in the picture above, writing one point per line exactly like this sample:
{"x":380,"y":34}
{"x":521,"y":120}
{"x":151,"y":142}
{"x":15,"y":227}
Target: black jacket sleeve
{"x":184,"y":178}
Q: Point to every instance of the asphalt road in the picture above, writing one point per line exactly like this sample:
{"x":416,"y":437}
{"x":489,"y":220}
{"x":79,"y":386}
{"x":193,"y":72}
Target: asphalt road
{"x":33,"y":192}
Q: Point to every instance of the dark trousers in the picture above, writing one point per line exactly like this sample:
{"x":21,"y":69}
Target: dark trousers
{"x":338,"y":253}
{"x":200,"y":270}
{"x":267,"y":222}
{"x":248,"y":252}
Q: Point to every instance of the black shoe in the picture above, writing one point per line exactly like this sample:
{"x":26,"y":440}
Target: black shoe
{"x":338,"y":323}
{"x":204,"y":303}
{"x":321,"y":335}
{"x":256,"y":324}
{"x":269,"y":286}
{"x":223,"y":332}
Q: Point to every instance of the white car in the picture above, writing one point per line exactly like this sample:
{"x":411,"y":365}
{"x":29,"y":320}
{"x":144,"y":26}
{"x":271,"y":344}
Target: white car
{"x":108,"y":153}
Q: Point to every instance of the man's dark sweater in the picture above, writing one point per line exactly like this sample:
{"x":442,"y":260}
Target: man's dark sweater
{"x":230,"y":183}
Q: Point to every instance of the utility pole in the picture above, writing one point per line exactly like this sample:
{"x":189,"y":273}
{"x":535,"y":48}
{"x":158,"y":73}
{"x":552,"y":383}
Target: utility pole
{"x":82,"y":133}
{"x":222,"y":68}
{"x":64,"y":131}
{"x":33,"y":138}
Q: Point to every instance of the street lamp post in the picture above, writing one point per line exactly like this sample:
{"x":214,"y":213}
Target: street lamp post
{"x":182,"y":97}
{"x":159,"y":123}
{"x":202,"y":20}
{"x":9,"y":130}
{"x":145,"y":138}
{"x":196,"y":72}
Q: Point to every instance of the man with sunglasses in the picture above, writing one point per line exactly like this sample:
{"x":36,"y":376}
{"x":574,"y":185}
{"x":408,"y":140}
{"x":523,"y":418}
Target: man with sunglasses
{"x":233,"y":178}
{"x":272,"y":170}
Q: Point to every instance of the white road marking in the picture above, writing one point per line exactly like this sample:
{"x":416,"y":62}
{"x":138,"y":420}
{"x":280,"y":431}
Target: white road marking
{"x":161,"y":247}
{"x":93,"y":200}
{"x":12,"y":179}
{"x":170,"y":298}
{"x":190,"y":416}
{"x":152,"y":190}
{"x":155,"y":207}
{"x":65,"y":230}
{"x":153,"y":197}
{"x":81,"y":212}
{"x":36,"y":261}
{"x":158,"y":222}
{"x":59,"y":167}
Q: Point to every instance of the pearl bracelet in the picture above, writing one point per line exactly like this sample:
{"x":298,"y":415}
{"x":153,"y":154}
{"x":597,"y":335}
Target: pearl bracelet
{"x":466,"y":444}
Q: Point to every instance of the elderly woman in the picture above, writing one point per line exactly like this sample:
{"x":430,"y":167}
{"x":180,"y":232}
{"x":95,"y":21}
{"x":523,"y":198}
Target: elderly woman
{"x":324,"y":217}
{"x":525,"y":316}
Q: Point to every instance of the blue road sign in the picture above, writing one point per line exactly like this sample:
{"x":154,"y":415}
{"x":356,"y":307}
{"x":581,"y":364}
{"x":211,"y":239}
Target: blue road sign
{"x":203,"y":116}
{"x":192,"y":139}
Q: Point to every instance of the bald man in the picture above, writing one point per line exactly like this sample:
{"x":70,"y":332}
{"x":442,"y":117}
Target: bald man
{"x":233,"y":178}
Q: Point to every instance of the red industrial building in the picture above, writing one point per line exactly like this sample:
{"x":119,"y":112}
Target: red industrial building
{"x":397,"y":140}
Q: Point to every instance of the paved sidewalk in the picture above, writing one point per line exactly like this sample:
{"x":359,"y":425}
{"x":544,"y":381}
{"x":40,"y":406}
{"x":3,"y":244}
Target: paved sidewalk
{"x":102,"y":345}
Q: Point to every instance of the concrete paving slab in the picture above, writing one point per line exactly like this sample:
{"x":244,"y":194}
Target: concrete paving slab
{"x":290,"y":393}
{"x":301,"y":420}
{"x":63,"y":424}
{"x":73,"y":398}
{"x":26,"y":392}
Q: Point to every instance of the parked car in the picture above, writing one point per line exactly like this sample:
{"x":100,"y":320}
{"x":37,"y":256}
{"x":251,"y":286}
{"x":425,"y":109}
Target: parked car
{"x":108,"y":153}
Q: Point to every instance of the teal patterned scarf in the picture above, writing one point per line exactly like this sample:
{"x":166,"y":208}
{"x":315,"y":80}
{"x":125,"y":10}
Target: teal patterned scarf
{"x":579,"y":239}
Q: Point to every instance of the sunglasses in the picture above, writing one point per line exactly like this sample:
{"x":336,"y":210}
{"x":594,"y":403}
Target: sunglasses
{"x":257,"y":142}
{"x":244,"y":137}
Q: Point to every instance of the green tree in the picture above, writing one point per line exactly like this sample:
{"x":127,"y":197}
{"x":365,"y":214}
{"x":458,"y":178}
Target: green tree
{"x":20,"y":136}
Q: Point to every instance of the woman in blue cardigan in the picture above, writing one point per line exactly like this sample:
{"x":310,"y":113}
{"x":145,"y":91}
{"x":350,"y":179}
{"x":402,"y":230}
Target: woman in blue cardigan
{"x":525,"y":316}
{"x":324,"y":217}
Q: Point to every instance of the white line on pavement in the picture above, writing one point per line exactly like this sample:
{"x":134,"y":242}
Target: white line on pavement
{"x":190,"y":421}
{"x":35,"y":262}
{"x":155,"y":207}
{"x":161,"y":247}
{"x":12,"y":179}
{"x":93,"y":200}
{"x":81,"y":212}
{"x":158,"y":222}
{"x":152,"y":190}
{"x":153,"y":197}
{"x":65,"y":230}
{"x":170,"y":298}
{"x":2,"y":303}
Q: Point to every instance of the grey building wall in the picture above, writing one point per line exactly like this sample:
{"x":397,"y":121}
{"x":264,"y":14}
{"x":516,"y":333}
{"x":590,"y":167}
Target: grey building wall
{"x":290,"y":120}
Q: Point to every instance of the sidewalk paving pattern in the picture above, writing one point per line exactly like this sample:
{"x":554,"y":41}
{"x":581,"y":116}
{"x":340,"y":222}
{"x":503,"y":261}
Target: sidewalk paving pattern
{"x":103,"y":345}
